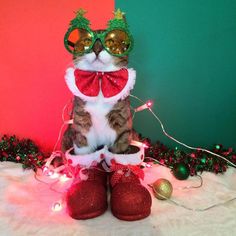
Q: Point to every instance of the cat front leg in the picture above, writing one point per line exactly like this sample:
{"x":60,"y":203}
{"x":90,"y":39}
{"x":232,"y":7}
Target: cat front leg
{"x":122,"y":142}
{"x":120,"y":121}
{"x":75,"y":139}
{"x":67,"y":139}
{"x":81,"y":146}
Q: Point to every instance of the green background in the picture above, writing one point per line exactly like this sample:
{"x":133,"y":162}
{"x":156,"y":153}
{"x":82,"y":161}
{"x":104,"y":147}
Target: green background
{"x":185,"y":57}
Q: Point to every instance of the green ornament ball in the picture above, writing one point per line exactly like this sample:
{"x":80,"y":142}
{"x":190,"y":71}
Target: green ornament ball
{"x":181,"y":171}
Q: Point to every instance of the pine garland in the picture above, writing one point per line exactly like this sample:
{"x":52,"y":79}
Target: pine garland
{"x":22,"y":151}
{"x":198,"y":161}
{"x":26,"y":152}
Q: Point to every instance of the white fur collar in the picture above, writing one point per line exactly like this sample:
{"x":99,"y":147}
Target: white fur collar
{"x":70,"y":81}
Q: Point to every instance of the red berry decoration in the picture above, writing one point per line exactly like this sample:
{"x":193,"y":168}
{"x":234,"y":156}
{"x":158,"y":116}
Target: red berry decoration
{"x":181,"y":171}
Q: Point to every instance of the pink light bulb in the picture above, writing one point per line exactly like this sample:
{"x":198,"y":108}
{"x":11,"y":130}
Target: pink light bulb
{"x":64,"y":178}
{"x":57,"y":206}
{"x":45,"y":170}
{"x":149,"y":103}
{"x":50,"y":173}
{"x":145,"y":145}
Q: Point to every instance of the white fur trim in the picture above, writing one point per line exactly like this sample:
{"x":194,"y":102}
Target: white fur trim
{"x":70,"y":81}
{"x":125,"y":159}
{"x":85,"y":160}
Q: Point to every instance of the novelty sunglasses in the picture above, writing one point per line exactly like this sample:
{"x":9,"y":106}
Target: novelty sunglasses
{"x":115,"y":41}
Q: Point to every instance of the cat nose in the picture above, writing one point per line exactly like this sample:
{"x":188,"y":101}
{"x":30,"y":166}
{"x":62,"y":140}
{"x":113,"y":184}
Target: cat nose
{"x":97,"y":47}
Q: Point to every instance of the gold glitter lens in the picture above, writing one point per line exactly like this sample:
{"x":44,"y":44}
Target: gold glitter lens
{"x":117,"y":42}
{"x":79,"y":40}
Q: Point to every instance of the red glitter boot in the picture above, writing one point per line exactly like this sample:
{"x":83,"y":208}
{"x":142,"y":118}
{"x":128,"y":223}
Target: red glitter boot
{"x":87,"y":196}
{"x":130,"y":200}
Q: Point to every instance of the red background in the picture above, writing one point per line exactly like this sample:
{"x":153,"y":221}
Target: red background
{"x":33,"y":62}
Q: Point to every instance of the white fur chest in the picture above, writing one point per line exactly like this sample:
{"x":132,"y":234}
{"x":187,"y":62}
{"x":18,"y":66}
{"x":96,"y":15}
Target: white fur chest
{"x":100,"y":132}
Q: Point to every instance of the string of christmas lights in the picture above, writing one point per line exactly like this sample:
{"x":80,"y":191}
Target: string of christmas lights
{"x":199,"y":160}
{"x":26,"y":152}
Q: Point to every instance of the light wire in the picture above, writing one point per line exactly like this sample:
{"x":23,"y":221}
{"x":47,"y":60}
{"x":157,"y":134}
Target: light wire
{"x":181,"y":143}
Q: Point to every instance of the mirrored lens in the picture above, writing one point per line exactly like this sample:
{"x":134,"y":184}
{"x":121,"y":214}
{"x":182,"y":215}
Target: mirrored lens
{"x":117,"y":42}
{"x":79,"y":40}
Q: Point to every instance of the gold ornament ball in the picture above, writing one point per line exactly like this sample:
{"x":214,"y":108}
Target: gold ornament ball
{"x":162,"y":189}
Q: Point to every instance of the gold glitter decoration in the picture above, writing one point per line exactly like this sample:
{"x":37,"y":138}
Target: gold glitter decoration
{"x":80,"y":12}
{"x":119,"y":14}
{"x":162,"y":189}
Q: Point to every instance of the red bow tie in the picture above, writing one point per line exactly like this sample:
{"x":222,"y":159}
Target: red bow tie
{"x":112,"y":83}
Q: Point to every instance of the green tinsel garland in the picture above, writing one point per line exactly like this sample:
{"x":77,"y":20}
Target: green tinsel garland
{"x":26,"y":152}
{"x":198,"y":161}
{"x":22,"y":151}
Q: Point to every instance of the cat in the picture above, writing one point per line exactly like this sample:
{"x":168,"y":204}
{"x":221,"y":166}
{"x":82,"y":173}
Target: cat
{"x":97,"y":123}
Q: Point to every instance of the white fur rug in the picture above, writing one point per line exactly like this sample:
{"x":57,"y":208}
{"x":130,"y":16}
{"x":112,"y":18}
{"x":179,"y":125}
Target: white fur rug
{"x":25,"y":208}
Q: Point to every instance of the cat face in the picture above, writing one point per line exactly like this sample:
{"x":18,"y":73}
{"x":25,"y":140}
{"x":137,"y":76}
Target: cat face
{"x":100,"y":60}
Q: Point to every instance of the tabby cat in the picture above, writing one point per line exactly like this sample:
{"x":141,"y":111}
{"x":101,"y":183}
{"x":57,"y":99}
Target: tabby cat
{"x":99,"y":121}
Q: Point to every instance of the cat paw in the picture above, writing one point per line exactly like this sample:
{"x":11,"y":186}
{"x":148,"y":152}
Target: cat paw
{"x":82,"y":150}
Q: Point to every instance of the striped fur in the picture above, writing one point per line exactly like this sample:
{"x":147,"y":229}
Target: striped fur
{"x":98,"y":123}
